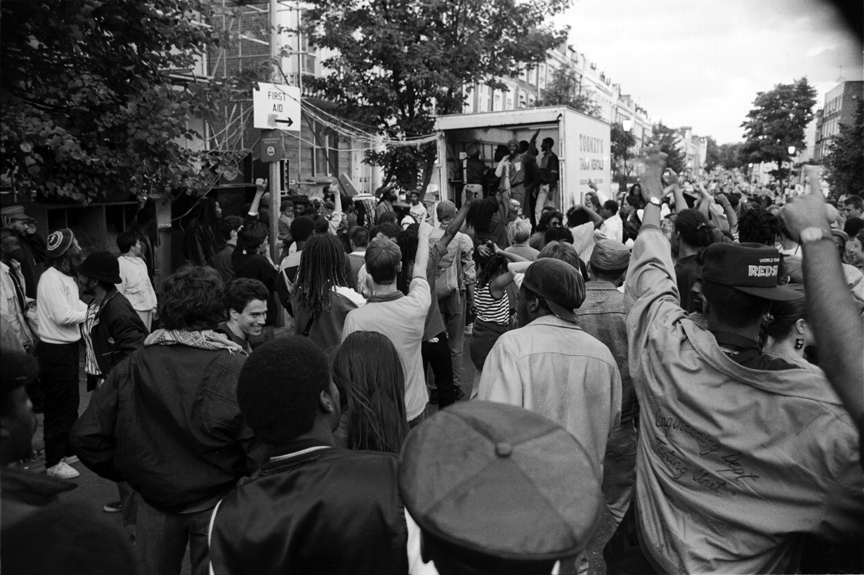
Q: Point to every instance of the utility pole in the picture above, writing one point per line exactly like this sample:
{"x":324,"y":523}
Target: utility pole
{"x":276,"y":78}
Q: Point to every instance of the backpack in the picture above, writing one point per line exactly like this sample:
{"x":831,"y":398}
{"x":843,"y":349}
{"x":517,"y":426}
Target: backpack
{"x":447,"y":279}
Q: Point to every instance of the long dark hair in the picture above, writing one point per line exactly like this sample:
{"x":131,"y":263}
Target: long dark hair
{"x":407,"y":242}
{"x":368,"y":373}
{"x":203,"y":238}
{"x":322,"y":267}
{"x":480,"y":213}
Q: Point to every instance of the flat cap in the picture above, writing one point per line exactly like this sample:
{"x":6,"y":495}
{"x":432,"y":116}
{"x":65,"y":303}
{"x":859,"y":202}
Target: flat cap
{"x":610,"y":255}
{"x":500,"y":480}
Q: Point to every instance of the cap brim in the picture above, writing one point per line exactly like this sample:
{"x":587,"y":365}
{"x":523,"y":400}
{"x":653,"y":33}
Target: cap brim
{"x":560,"y":311}
{"x":779,"y":293}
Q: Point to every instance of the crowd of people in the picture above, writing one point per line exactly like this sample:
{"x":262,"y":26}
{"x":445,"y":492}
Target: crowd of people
{"x":686,"y":358}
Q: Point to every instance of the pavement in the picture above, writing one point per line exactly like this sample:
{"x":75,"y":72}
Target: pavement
{"x":95,"y":491}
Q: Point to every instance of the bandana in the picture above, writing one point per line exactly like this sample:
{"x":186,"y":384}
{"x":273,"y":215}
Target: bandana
{"x":205,"y":339}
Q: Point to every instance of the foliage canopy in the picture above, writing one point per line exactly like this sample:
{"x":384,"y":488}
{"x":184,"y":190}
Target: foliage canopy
{"x":98,"y":96}
{"x":398,"y":62}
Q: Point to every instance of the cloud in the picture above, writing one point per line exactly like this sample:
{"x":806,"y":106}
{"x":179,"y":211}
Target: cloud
{"x":701,"y":64}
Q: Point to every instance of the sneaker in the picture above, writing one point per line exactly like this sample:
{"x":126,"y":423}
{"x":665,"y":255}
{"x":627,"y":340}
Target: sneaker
{"x":113,"y":507}
{"x":63,"y":471}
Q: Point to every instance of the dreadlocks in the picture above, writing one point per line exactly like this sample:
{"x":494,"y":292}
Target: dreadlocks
{"x":480,"y":213}
{"x":758,"y":225}
{"x":407,"y":242}
{"x":322,"y":267}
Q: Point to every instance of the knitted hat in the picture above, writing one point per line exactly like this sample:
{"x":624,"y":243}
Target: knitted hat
{"x":59,"y":242}
{"x":500,"y":480}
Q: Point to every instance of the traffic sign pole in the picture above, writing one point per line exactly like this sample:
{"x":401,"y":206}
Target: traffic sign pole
{"x":275,"y":199}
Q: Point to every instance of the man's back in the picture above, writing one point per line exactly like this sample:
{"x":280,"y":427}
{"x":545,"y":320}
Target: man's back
{"x":735,"y":464}
{"x":316,"y":510}
{"x":180,"y":438}
{"x":554,"y":368}
{"x":402,"y":319}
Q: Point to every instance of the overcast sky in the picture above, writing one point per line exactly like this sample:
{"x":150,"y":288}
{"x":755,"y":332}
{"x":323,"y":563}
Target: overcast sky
{"x":700,"y":63}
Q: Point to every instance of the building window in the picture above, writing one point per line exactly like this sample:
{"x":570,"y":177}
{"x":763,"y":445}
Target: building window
{"x":483,"y":104}
{"x":509,"y":105}
{"x":325,"y":147}
{"x":497,"y":101}
{"x":523,"y":75}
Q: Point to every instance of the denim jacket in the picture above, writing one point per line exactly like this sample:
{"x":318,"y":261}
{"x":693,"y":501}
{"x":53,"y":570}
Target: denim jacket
{"x":603,"y":314}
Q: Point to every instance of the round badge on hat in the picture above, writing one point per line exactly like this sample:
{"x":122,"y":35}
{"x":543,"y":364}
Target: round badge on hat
{"x":500,"y":480}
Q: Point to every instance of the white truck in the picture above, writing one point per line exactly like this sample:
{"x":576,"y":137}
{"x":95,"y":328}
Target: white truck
{"x":581,"y":142}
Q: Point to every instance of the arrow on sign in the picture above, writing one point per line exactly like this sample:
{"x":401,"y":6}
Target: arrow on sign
{"x":288,"y":121}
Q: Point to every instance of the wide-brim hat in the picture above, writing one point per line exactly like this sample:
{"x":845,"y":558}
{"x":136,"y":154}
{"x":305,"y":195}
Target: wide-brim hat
{"x":502,"y":481}
{"x":101,"y":266}
{"x":750,"y":268}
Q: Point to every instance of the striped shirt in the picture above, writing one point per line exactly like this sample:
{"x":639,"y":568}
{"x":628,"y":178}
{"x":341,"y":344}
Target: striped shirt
{"x":490,"y":309}
{"x":91,"y":367}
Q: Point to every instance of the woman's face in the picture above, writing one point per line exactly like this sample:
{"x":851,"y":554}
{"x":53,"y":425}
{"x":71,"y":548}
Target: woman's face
{"x":855,"y":250}
{"x":555,"y":223}
{"x":841,"y":245}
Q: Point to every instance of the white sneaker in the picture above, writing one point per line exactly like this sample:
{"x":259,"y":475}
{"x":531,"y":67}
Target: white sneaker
{"x":63,"y":471}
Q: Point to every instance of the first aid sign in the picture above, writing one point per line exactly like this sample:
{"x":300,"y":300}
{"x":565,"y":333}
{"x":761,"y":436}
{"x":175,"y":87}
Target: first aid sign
{"x":276,"y":106}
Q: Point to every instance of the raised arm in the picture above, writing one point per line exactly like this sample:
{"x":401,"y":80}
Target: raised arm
{"x":595,"y":218}
{"x":836,"y":320}
{"x":456,"y":225}
{"x":422,"y":257}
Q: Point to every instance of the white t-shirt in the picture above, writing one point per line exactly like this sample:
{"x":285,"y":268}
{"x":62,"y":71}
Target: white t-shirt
{"x":402,"y":319}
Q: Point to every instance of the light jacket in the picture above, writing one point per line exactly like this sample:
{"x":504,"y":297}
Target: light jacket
{"x":10,"y":307}
{"x":552,"y":367}
{"x":734,"y":465}
{"x":136,"y":285}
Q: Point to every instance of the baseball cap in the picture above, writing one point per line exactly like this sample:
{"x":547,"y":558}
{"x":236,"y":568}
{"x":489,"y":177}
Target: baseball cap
{"x":446,"y":209}
{"x":500,"y":480}
{"x":750,"y":268}
{"x":14,"y":213}
{"x":559,"y":283}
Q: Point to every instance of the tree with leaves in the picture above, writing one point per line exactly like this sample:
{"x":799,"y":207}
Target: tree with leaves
{"x":844,"y":163}
{"x":730,"y":155}
{"x":622,"y":142}
{"x":97,"y":98}
{"x":667,"y":140}
{"x":398,"y":62}
{"x":778,"y":120}
{"x":712,"y":154}
{"x":564,"y":89}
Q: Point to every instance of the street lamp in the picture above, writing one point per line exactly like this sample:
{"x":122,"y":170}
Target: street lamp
{"x":791,"y":151}
{"x":628,"y":126}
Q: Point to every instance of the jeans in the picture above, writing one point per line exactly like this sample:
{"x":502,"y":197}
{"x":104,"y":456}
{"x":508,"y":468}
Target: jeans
{"x":59,"y":378}
{"x":162,"y":539}
{"x":453,"y":314}
{"x":436,"y":354}
{"x":619,"y":469}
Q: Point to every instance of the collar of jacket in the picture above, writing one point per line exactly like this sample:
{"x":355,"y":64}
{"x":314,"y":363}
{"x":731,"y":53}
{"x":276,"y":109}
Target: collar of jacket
{"x":32,"y":488}
{"x":108,"y":297}
{"x":804,"y":382}
{"x":295,"y":453}
{"x":597,"y":285}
